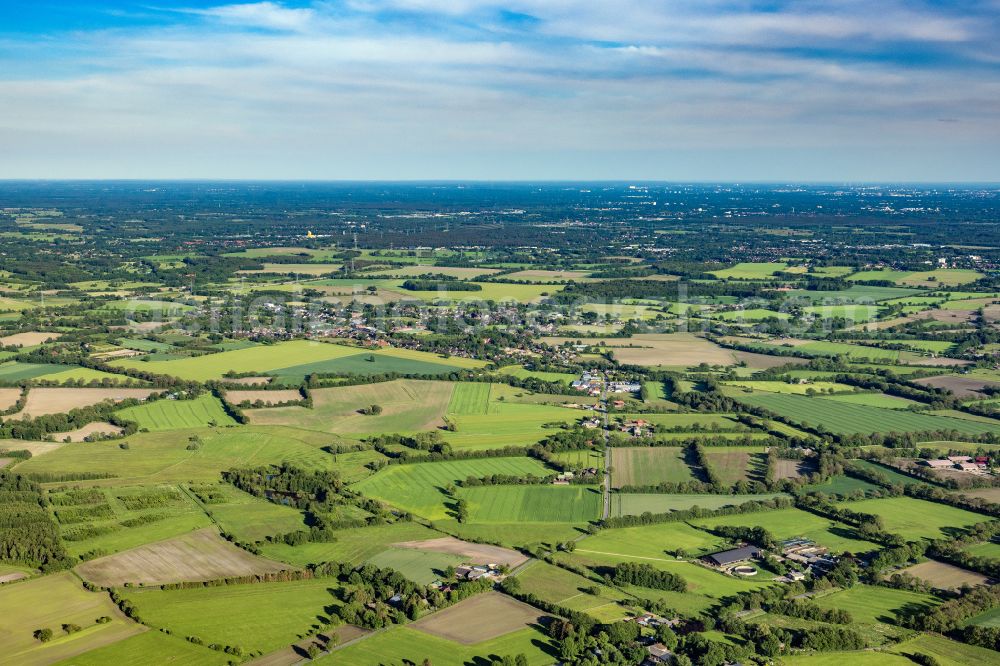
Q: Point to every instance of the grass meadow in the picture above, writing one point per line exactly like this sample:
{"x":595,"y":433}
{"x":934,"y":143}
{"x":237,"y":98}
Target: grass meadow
{"x":419,"y":487}
{"x":205,"y":410}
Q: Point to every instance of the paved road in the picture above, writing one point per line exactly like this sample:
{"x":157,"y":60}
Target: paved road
{"x":607,"y":458}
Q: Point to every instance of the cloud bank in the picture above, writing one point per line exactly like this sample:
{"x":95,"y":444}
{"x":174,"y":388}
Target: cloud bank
{"x":524,"y":89}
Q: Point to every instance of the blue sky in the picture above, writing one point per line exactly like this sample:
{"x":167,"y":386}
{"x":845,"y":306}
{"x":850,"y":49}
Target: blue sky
{"x":814,"y":90}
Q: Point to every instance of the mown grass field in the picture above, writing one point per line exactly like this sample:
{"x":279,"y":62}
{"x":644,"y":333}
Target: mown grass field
{"x":845,"y":418}
{"x":205,"y":410}
{"x":401,"y":644}
{"x":150,"y":647}
{"x":508,"y":424}
{"x":654,"y":542}
{"x":537,"y":504}
{"x":872,"y":400}
{"x":49,"y":602}
{"x":420,"y":566}
{"x":353,"y":545}
{"x":270,"y":615}
{"x":750,"y":271}
{"x":165,"y":457}
{"x":792,"y":523}
{"x":798,"y":389}
{"x":249,"y":518}
{"x":565,"y":588}
{"x":946,"y":651}
{"x":648,"y":465}
{"x":419,"y":488}
{"x":408,"y":405}
{"x":469,"y":398}
{"x":917,"y":519}
{"x":737,"y":463}
{"x":633,"y":504}
{"x":869,"y":605}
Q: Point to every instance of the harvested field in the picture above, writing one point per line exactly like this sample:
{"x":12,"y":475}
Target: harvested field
{"x":949,"y":316}
{"x":9,"y":397}
{"x":945,"y":576}
{"x":988,"y":494}
{"x":248,"y":381}
{"x":81,"y":434}
{"x":267,"y":397}
{"x":648,"y":466}
{"x":480,"y":618}
{"x":11,"y":577}
{"x":792,"y":469}
{"x":962,"y":387}
{"x":542,"y":275}
{"x":670,"y":349}
{"x":766,"y":361}
{"x":883,"y":324}
{"x":29,"y":339}
{"x":939,"y":362}
{"x":200,"y":555}
{"x":36,"y":448}
{"x":42,"y":401}
{"x":476,"y":553}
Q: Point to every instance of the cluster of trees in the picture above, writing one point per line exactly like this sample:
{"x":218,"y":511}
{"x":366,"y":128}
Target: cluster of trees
{"x":645,"y":575}
{"x":28,"y":536}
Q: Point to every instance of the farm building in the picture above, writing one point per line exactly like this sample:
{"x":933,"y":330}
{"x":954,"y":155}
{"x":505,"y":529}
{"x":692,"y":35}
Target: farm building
{"x":733,"y":556}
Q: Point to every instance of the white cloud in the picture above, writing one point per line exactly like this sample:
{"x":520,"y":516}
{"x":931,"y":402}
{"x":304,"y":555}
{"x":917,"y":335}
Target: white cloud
{"x":269,"y":15}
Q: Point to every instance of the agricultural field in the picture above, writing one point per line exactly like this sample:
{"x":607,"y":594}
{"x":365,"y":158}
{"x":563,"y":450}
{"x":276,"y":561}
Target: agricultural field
{"x":794,"y":523}
{"x":419,"y":488}
{"x":313,"y":446}
{"x":205,"y":410}
{"x":840,"y":417}
{"x":485,"y":617}
{"x":200,"y":555}
{"x":532,"y":504}
{"x":633,"y":504}
{"x":648,"y":466}
{"x":917,"y":519}
{"x":408,"y":405}
{"x":50,"y":602}
{"x":678,"y":350}
{"x":272,"y":615}
{"x":43,"y":401}
{"x":737,"y":463}
{"x":944,"y":576}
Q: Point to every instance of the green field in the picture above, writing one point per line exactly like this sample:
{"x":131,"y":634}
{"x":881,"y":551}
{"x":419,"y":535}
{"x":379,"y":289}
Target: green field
{"x":565,"y":588}
{"x":418,"y":488}
{"x":408,"y":405}
{"x":648,"y":465}
{"x":271,"y":615}
{"x":353,"y":545}
{"x":873,"y":400}
{"x":870,"y":605}
{"x":792,"y":523}
{"x":737,"y":463}
{"x":947,"y":652}
{"x":851,"y":351}
{"x":846,"y":418}
{"x":469,"y":398}
{"x":841,"y":485}
{"x":205,"y":410}
{"x":523,"y":373}
{"x":507,"y":424}
{"x":249,"y":518}
{"x":420,"y":566}
{"x":165,"y":457}
{"x":916,"y":519}
{"x":633,"y":504}
{"x":405,"y":645}
{"x":50,"y":602}
{"x":750,"y":271}
{"x":655,"y":542}
{"x":534,"y":504}
{"x":148,"y":649}
{"x":796,"y":388}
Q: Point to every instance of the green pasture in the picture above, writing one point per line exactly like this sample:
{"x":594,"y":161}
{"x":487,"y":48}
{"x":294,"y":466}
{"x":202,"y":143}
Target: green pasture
{"x":419,"y":488}
{"x":204,"y":410}
{"x":915,"y":519}
{"x":846,"y":418}
{"x":535,"y":504}
{"x":271,"y":615}
{"x":794,"y":523}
